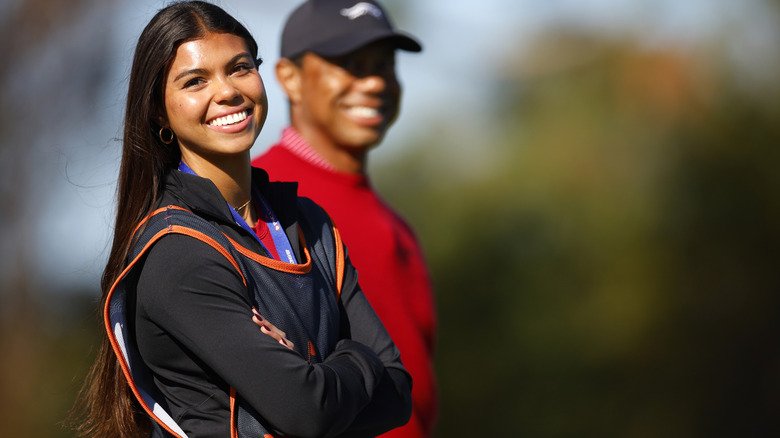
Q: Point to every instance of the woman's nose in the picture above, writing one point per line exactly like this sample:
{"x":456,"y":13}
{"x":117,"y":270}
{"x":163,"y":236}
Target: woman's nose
{"x":226,"y":90}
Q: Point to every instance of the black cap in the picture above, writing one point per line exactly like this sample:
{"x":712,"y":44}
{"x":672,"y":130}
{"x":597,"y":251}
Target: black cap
{"x":337,"y":27}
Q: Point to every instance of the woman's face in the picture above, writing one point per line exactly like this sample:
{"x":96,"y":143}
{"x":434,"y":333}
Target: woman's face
{"x":214,"y":98}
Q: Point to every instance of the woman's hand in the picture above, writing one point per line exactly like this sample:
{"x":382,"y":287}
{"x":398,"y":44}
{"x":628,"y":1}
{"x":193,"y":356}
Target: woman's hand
{"x":271,"y":330}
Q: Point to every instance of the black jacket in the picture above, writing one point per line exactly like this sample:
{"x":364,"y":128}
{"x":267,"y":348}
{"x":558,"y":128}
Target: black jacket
{"x":193,"y":328}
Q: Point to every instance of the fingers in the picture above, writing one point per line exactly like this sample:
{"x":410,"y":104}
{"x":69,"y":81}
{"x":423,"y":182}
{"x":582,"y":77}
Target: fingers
{"x":271,"y":330}
{"x":279,"y":338}
{"x":262,"y":322}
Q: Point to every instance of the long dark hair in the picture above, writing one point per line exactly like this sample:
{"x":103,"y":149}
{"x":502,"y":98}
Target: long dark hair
{"x":106,"y":406}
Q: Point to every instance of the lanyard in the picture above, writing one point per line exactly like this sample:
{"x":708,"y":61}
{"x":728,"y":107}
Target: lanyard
{"x":275,"y":228}
{"x":273,"y":224}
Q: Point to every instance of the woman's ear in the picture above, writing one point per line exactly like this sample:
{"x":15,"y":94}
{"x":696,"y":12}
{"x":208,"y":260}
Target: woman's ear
{"x":288,"y":74}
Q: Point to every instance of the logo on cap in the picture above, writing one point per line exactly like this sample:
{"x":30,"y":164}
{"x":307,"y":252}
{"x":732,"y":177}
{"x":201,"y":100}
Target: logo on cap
{"x":361,"y":9}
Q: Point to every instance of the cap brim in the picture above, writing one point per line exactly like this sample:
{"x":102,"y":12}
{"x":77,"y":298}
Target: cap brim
{"x":349,"y":43}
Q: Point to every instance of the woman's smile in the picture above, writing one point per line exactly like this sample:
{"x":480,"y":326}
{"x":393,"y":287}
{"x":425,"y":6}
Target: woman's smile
{"x":232,"y":123}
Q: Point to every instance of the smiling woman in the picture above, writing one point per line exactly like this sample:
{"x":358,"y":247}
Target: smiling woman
{"x":229,"y":303}
{"x":216,"y":105}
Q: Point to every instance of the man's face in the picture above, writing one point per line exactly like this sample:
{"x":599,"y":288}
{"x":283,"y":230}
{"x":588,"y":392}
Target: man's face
{"x":349,"y":102}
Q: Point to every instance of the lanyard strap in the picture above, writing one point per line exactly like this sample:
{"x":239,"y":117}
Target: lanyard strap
{"x":274,"y":226}
{"x":278,"y":235}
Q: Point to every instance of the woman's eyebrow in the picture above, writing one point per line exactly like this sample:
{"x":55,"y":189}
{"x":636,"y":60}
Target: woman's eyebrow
{"x":194,"y":71}
{"x":239,"y":56}
{"x":201,"y":71}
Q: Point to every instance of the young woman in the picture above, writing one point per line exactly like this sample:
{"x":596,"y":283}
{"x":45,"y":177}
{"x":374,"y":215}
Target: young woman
{"x":230,"y":307}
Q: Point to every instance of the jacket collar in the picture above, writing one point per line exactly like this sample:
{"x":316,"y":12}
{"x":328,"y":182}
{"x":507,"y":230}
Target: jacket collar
{"x":202,"y":197}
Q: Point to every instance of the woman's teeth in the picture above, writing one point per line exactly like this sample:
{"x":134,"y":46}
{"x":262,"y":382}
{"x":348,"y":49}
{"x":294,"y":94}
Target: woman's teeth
{"x":229,"y":119}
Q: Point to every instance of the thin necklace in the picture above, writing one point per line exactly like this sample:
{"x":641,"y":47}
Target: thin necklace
{"x":238,"y":209}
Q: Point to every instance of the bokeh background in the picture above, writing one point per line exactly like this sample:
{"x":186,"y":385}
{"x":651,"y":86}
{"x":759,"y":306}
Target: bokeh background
{"x":595,"y":184}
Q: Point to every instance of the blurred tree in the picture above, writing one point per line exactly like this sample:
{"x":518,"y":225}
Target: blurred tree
{"x":51,"y":69}
{"x":611,"y":273}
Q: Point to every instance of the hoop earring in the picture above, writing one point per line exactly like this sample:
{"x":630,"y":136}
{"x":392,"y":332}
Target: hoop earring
{"x":164,"y":136}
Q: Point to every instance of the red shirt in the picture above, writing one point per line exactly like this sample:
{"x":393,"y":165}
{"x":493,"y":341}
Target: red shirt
{"x":389,"y":260}
{"x":264,"y":234}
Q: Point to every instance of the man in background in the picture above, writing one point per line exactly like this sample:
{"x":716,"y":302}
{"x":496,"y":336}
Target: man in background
{"x":337,"y":69}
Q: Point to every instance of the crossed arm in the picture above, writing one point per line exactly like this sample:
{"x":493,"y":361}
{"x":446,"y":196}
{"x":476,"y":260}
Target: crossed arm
{"x":360,"y":389}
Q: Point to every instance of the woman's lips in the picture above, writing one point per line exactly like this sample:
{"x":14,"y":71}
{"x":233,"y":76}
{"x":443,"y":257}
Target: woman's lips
{"x":231,"y":123}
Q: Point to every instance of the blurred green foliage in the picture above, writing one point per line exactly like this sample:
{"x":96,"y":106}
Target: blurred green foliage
{"x":47,"y":344}
{"x":606,"y":263}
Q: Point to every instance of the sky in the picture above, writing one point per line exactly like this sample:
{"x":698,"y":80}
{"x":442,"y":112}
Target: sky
{"x":451,"y":80}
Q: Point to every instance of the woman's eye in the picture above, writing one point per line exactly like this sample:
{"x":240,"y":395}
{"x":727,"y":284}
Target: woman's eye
{"x":193,"y":82}
{"x":243,"y":67}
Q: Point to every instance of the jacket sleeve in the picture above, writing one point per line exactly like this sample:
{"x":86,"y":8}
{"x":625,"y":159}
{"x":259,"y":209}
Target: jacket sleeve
{"x":189,"y":290}
{"x":391,"y":403}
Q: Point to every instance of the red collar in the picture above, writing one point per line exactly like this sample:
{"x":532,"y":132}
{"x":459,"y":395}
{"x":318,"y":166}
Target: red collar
{"x":295,"y":143}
